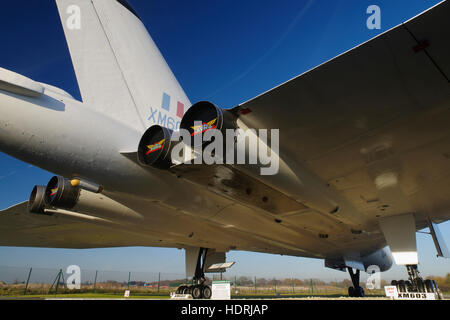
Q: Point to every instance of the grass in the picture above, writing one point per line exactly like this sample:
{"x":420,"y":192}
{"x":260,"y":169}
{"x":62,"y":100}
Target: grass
{"x":41,"y":292}
{"x":166,"y":296}
{"x":84,"y":296}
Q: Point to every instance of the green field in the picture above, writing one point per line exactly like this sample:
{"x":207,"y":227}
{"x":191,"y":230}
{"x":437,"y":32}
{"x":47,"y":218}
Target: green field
{"x":83,"y":296}
{"x":166,"y":296}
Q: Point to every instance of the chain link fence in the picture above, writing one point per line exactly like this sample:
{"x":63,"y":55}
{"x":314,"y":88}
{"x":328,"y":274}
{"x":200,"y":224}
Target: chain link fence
{"x":20,"y":281}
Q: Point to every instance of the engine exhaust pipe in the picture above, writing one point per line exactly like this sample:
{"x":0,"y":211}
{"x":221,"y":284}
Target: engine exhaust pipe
{"x":60,"y":193}
{"x":36,"y":202}
{"x":155,"y":147}
{"x":68,"y":195}
{"x":204,"y":116}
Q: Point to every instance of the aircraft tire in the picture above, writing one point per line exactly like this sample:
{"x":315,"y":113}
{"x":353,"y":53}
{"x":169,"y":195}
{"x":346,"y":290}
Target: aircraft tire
{"x":401,"y":286}
{"x":360,"y":292}
{"x":351,"y":292}
{"x":197,"y":292}
{"x":429,"y":286}
{"x":421,"y":286}
{"x":206,"y":292}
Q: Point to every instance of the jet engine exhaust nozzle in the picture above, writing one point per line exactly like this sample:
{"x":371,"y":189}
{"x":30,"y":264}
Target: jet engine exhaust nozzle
{"x":204,"y":116}
{"x":155,"y":147}
{"x":60,"y":193}
{"x":36,"y":202}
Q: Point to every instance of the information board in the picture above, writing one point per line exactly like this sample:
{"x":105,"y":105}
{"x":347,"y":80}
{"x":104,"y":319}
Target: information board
{"x":221,"y":290}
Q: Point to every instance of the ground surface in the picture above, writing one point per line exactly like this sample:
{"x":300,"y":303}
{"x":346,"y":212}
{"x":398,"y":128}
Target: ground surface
{"x":91,"y":296}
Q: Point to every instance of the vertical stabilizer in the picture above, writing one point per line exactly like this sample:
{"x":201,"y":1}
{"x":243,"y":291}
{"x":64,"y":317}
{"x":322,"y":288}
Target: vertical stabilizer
{"x":119,"y":69}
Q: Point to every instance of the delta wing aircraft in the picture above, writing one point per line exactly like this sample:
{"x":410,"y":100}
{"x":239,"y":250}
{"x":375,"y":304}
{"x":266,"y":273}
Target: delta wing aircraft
{"x":364,"y":153}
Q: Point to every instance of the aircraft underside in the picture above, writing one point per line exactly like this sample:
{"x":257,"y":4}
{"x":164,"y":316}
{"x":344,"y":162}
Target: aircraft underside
{"x":355,"y":179}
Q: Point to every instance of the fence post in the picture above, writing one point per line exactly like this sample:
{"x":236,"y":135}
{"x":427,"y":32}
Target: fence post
{"x":293,"y":286}
{"x":28,"y":280}
{"x":95,"y":280}
{"x":159,"y":281}
{"x":275,"y":284}
{"x":57,"y":281}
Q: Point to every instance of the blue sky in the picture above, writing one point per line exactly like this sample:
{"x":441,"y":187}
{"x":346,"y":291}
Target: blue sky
{"x":223,"y":51}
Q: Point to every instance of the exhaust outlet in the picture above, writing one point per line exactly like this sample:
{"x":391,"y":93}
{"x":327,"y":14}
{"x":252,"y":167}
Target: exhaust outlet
{"x":64,"y":194}
{"x":204,"y":116}
{"x":155,"y":147}
{"x":60,"y":193}
{"x":36,"y":202}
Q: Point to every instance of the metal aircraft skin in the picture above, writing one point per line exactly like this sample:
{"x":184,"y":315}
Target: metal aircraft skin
{"x":364,"y":149}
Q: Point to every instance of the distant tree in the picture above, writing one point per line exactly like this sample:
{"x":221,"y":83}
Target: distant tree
{"x":261,"y":282}
{"x":299,"y":283}
{"x":346,"y":283}
{"x":244,"y":281}
{"x":273,"y":282}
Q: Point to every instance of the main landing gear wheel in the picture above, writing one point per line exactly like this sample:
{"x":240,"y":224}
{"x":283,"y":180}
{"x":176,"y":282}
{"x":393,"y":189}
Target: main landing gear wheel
{"x":421,"y":286}
{"x":429,"y":285}
{"x":180,"y":289}
{"x":206,"y":292}
{"x":200,"y":290}
{"x":197,"y":292}
{"x":416,"y":283}
{"x":360,"y":293}
{"x":351,"y":292}
{"x":356,"y":293}
{"x":401,"y":286}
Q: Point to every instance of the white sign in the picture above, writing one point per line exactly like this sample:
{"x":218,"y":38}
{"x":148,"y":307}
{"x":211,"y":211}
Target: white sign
{"x":221,"y":290}
{"x":178,"y":296}
{"x":127,"y":293}
{"x":415,"y":296}
{"x":391,"y":291}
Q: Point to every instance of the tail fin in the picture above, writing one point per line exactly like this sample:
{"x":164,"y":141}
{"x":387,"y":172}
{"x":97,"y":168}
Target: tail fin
{"x":119,"y":69}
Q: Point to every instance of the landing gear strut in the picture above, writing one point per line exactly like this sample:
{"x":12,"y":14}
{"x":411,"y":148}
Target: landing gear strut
{"x":416,"y":283}
{"x":356,"y":290}
{"x":199,"y":290}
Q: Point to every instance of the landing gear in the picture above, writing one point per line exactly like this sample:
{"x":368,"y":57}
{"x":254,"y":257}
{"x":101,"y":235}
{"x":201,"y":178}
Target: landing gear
{"x":416,"y":283}
{"x":207,"y":292}
{"x":356,"y":291}
{"x":199,"y":290}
